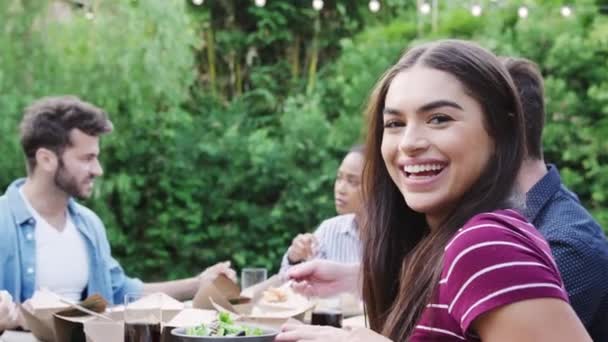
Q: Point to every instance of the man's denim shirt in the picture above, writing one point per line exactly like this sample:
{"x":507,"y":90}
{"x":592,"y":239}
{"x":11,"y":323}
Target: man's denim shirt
{"x":18,"y":248}
{"x":579,"y":247}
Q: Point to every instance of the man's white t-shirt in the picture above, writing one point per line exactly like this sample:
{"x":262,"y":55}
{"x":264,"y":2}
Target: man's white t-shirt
{"x":62,"y":263}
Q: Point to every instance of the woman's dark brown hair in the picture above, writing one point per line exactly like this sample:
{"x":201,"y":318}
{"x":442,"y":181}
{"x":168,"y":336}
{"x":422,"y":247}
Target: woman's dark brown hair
{"x":402,"y":258}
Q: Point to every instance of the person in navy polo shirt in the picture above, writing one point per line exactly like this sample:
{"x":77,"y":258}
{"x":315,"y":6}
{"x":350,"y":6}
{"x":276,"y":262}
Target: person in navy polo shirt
{"x":577,"y":242}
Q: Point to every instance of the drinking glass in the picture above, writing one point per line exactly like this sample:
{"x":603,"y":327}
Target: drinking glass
{"x":328,"y":317}
{"x":328,"y":312}
{"x":143,"y":317}
{"x":252,"y":276}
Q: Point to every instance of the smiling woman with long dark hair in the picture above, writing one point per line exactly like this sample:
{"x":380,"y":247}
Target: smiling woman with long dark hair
{"x":446,"y":257}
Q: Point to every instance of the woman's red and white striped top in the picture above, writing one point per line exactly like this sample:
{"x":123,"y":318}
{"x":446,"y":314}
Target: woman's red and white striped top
{"x":496,"y":259}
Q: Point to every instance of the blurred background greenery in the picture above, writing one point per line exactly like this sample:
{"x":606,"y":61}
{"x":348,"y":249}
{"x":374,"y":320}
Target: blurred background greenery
{"x":231,"y":118}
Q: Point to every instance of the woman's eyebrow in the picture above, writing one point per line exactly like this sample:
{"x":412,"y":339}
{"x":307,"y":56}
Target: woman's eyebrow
{"x":438,"y":104}
{"x":390,"y":111}
{"x":425,"y":108}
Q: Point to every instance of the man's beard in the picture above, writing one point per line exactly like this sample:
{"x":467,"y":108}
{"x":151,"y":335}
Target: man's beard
{"x":68,"y":183}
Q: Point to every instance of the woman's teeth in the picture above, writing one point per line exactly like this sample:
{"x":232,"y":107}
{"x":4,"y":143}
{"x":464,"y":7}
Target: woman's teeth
{"x":422,"y":168}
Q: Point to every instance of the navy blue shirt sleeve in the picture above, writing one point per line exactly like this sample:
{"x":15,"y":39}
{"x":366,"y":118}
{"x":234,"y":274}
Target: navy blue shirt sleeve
{"x":579,"y":247}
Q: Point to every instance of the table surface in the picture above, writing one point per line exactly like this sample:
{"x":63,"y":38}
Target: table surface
{"x":17,"y":336}
{"x":20,"y":336}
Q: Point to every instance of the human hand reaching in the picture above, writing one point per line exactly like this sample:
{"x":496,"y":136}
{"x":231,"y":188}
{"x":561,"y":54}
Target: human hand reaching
{"x":325,"y":278}
{"x":212,"y":272}
{"x":302,"y":248}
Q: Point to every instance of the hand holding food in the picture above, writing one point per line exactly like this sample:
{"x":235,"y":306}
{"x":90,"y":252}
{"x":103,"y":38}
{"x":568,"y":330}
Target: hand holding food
{"x":302,"y":248}
{"x":325,"y":278}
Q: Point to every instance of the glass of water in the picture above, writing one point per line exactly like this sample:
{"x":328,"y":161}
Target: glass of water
{"x":252,"y":276}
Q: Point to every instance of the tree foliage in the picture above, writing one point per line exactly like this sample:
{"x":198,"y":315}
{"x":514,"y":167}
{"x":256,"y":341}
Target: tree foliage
{"x":231,"y":119}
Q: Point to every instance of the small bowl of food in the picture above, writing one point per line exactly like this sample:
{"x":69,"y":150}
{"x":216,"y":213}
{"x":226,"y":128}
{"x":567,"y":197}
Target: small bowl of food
{"x":224,"y":329}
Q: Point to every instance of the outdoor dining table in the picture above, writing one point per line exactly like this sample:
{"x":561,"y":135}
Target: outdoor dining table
{"x":22,"y":336}
{"x":18,"y":336}
{"x":26,"y":336}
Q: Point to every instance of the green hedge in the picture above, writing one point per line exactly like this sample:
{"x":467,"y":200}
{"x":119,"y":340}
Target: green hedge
{"x":194,"y":176}
{"x":572,"y":53}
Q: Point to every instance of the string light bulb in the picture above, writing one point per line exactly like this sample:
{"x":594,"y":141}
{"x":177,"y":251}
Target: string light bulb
{"x":566,"y":11}
{"x":374,"y":6}
{"x":523,"y":12}
{"x":317,"y":4}
{"x":260,"y":3}
{"x":476,"y":10}
{"x":425,"y":8}
{"x":198,"y":2}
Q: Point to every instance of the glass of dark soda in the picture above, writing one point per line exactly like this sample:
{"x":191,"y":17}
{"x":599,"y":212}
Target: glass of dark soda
{"x":143,"y":318}
{"x":327,"y":317}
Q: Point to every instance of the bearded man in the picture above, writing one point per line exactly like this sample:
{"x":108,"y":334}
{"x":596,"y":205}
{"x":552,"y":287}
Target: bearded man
{"x":50,"y":241}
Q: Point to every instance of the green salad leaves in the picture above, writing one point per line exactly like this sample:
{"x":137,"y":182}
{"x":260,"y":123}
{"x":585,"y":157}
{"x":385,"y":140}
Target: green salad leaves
{"x":223,"y":326}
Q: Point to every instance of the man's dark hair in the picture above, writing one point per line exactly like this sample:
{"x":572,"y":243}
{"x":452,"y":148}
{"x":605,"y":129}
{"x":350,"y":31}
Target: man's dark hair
{"x":529,"y":83}
{"x":47,"y":123}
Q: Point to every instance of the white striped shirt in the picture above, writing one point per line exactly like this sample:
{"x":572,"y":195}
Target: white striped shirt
{"x":338,"y":239}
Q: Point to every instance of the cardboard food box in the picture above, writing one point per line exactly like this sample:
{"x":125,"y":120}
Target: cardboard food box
{"x":99,"y":330}
{"x":49,"y":320}
{"x":192,"y":317}
{"x":253,"y":308}
{"x":95,"y":329}
{"x":38,"y":314}
{"x":72,"y":328}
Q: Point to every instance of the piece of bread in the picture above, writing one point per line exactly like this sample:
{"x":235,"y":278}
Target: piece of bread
{"x":275,"y":295}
